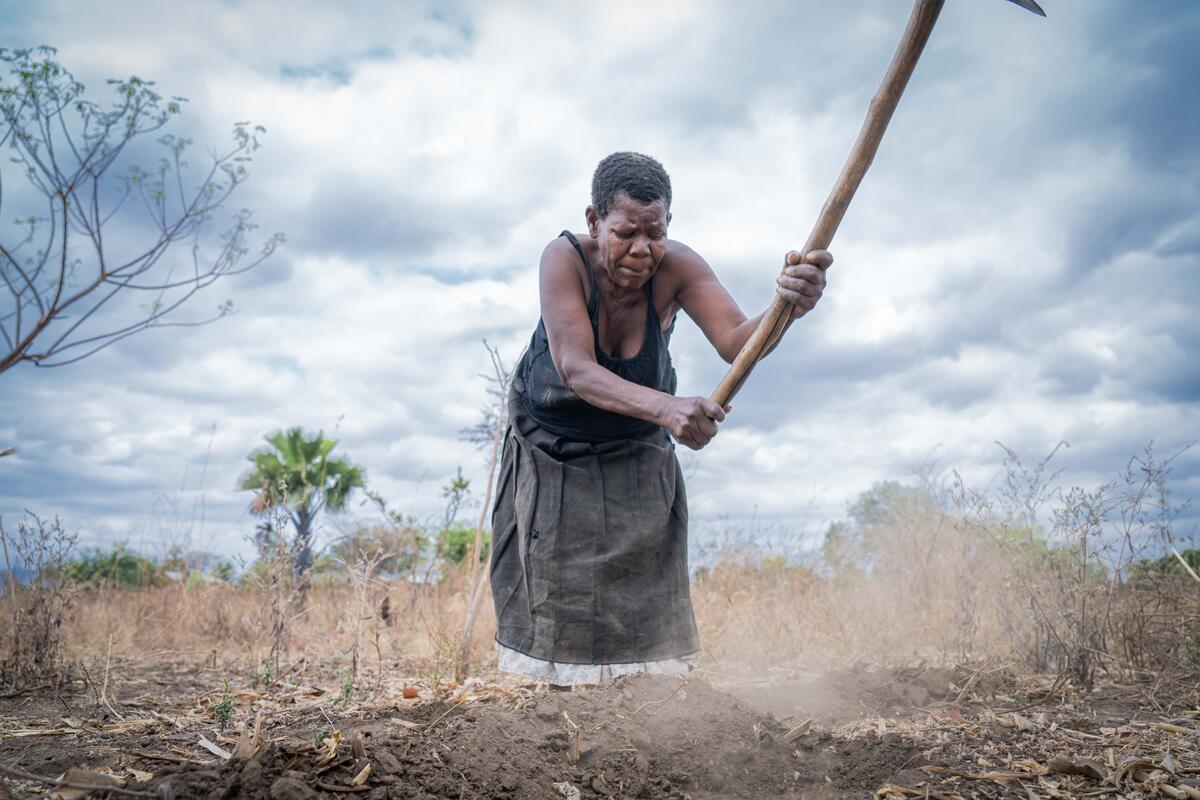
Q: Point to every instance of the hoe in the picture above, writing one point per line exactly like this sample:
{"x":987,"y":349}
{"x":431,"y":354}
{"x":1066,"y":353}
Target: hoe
{"x":775,"y":321}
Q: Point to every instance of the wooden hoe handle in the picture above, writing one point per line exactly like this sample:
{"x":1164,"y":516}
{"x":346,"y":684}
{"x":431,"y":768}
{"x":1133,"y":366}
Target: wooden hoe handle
{"x":776,"y":319}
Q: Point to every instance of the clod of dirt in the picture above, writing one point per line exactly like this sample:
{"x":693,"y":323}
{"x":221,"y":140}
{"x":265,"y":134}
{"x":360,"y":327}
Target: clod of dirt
{"x":291,"y":789}
{"x":252,"y":773}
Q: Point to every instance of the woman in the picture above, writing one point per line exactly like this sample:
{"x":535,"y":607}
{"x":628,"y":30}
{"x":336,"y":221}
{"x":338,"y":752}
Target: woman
{"x":589,"y":564}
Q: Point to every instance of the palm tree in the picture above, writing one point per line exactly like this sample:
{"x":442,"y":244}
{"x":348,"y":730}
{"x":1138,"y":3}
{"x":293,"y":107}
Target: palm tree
{"x":295,"y":474}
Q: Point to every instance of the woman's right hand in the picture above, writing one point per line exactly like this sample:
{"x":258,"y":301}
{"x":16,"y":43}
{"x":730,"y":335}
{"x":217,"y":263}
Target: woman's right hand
{"x":692,"y":420}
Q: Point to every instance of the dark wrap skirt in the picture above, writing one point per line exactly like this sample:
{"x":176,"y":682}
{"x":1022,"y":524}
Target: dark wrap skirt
{"x":589,"y":557}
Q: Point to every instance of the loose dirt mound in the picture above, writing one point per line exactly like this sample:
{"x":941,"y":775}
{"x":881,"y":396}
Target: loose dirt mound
{"x":835,"y":697}
{"x":989,"y":733}
{"x":642,"y":737}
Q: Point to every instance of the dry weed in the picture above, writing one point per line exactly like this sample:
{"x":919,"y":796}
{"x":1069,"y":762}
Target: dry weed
{"x":39,"y":606}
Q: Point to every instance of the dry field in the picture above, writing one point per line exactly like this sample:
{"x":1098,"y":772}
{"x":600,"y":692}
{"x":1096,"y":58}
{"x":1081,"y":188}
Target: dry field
{"x":932,"y":654}
{"x":806,"y":688}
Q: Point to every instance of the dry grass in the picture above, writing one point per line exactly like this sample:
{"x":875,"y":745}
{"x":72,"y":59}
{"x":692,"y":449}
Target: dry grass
{"x":935,"y":597}
{"x":944,"y":581}
{"x":927,"y":575}
{"x":952,"y":603}
{"x":232,"y":626}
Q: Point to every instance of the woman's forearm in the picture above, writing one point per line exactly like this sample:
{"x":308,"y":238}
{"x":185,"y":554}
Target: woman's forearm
{"x":800,"y":287}
{"x":740,"y":335}
{"x":607,"y":390}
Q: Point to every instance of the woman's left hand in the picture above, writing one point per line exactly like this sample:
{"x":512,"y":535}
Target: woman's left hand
{"x":803,"y":280}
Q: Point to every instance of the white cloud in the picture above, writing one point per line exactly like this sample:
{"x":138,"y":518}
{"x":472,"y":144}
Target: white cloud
{"x":1006,"y":272}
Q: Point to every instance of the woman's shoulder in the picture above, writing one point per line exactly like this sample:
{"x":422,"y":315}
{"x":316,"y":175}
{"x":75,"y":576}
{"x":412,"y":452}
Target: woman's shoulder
{"x":677,"y":250}
{"x":563,"y":246}
{"x":681,"y":268}
{"x":681,"y":260}
{"x":562,"y":266}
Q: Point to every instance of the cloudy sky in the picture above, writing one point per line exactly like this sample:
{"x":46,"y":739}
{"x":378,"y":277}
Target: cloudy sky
{"x":1021,"y":265}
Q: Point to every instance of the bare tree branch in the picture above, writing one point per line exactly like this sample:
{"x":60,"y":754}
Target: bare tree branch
{"x":68,"y":149}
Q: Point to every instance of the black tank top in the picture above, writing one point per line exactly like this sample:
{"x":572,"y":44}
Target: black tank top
{"x":559,"y":410}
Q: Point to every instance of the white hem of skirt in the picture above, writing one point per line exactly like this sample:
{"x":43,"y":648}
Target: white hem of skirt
{"x":517,"y":663}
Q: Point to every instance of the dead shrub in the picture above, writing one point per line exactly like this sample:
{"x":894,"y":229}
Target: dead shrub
{"x":1063,"y":579}
{"x":39,"y":604}
{"x":362,"y":614}
{"x":1073,"y":551}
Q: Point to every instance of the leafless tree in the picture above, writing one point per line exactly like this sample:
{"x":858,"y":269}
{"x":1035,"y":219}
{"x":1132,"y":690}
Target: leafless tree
{"x":67,"y":275}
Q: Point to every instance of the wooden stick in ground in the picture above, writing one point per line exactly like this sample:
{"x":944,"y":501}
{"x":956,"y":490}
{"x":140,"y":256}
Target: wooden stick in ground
{"x":1175,"y":552}
{"x":12,"y":592}
{"x":478,"y":568}
{"x":574,"y":732}
{"x":776,"y":320}
{"x":104,"y":685}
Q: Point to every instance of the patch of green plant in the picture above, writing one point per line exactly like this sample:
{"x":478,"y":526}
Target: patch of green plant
{"x":222,"y":572}
{"x":396,"y":547}
{"x":320,"y":733}
{"x":776,"y":563}
{"x":264,"y":678}
{"x":1146,"y":573}
{"x":454,"y":542}
{"x":118,"y":568}
{"x":195,"y":580}
{"x":264,"y":572}
{"x":347,"y":692}
{"x":224,"y":708}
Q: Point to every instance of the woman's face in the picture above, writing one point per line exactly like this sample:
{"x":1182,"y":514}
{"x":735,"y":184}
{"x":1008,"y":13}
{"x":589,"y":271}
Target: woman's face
{"x":632,"y":239}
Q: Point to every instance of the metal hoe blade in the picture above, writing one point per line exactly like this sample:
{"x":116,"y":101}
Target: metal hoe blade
{"x":1030,"y":5}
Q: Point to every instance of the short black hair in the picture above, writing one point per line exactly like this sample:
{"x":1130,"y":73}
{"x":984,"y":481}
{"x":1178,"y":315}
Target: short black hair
{"x":639,"y":176}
